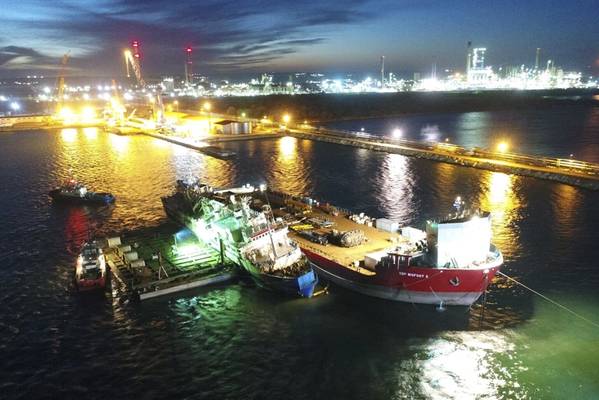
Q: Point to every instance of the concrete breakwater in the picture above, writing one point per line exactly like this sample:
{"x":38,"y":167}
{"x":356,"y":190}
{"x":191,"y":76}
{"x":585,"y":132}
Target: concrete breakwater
{"x":569,"y":172}
{"x":449,"y":154}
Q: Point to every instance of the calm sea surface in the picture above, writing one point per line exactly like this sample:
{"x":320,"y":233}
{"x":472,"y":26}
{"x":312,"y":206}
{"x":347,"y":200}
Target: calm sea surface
{"x":240,"y":342}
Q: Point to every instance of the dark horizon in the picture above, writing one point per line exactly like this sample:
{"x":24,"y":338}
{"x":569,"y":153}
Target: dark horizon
{"x":245,"y":38}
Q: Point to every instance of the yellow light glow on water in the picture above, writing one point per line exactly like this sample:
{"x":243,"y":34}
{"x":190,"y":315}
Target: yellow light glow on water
{"x":288,"y":147}
{"x":69,"y":135}
{"x":287,"y":171}
{"x":90,"y":133}
{"x":565,"y":205}
{"x":499,"y":187}
{"x":499,"y":197}
{"x":119,"y":143}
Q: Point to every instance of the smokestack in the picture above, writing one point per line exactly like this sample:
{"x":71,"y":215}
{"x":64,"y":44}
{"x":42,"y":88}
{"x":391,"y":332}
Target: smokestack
{"x":468,"y":57}
{"x":382,"y":72}
{"x":538,"y":58}
{"x":188,"y":65}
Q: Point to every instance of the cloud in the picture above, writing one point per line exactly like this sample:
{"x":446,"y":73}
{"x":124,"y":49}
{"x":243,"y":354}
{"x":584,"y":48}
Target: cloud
{"x":224,"y":33}
{"x":20,"y":57}
{"x":285,"y":34}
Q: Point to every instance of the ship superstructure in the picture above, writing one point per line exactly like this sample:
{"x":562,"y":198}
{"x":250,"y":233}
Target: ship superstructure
{"x":225,"y":220}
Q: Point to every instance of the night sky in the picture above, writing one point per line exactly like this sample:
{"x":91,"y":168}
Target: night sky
{"x":237,"y":37}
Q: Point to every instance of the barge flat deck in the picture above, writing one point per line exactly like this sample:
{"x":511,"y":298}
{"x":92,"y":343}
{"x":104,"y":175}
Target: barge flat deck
{"x":163,"y":260}
{"x":376,"y":240}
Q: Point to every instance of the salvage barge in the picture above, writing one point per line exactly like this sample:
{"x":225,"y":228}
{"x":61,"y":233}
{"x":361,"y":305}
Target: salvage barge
{"x":163,"y":260}
{"x":452,"y":263}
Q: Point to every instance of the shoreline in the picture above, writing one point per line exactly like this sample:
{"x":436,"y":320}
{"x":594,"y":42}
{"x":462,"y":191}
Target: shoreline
{"x":325,"y":108}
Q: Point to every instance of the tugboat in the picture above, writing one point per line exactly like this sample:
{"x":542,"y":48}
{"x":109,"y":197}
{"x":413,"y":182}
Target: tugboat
{"x":75,"y":192}
{"x":90,"y":268}
{"x":224,"y":220}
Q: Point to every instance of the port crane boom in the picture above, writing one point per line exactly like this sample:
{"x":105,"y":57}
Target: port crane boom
{"x":134,"y":63}
{"x":60,"y":80}
{"x":132,"y":59}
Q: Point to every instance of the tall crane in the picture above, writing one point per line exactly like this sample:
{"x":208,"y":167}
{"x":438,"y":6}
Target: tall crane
{"x":134,"y":63}
{"x":60,"y":81}
{"x":133,"y":59}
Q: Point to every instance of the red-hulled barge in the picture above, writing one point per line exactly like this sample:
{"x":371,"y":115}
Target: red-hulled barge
{"x":452,"y":263}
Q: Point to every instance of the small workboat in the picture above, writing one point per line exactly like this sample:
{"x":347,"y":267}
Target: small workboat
{"x":75,"y":192}
{"x":90,"y":268}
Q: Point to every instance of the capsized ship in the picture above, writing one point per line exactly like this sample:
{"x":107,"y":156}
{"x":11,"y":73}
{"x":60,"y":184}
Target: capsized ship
{"x":225,"y":220}
{"x":452,"y":263}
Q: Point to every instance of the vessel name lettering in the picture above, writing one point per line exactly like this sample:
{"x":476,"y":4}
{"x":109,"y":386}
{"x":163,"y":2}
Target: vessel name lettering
{"x":413,"y":275}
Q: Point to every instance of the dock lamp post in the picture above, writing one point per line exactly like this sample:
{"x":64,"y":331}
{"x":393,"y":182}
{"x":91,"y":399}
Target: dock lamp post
{"x":503,"y":147}
{"x":207,"y":107}
{"x":286,"y":119}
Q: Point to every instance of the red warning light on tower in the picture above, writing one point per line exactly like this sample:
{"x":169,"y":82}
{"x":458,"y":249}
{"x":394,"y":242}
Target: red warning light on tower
{"x":136,"y":49}
{"x":188,"y":65}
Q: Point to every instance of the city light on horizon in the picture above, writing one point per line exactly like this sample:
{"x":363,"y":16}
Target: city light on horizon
{"x":443,"y":40}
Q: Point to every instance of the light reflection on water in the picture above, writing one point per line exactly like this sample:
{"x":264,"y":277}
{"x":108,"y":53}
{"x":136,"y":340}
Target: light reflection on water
{"x":499,"y":196}
{"x":287,"y":170}
{"x":90,"y":133}
{"x":69,"y":135}
{"x":463,"y":365}
{"x":238,"y":341}
{"x":119,"y":143}
{"x":394,"y":185}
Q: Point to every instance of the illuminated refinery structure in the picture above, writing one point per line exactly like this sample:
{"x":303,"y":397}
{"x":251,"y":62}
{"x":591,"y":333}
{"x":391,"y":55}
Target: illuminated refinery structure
{"x":188,"y":66}
{"x":477,"y":75}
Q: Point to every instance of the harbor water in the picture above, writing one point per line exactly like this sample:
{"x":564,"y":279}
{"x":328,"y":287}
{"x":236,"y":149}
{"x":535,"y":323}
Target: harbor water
{"x":240,"y":342}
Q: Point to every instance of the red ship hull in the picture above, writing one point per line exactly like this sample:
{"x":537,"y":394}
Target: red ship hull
{"x":449,"y":286}
{"x":84,"y":285}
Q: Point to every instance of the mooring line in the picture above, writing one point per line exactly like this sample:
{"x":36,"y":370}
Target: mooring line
{"x":551,"y":301}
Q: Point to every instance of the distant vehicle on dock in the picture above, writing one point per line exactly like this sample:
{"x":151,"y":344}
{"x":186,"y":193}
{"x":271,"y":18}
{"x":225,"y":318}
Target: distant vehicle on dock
{"x":452,"y":263}
{"x":224,"y":220}
{"x":75,"y":192}
{"x":90,"y":268}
